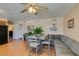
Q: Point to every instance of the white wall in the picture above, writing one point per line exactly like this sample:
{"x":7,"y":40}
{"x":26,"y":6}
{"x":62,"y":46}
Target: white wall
{"x":73,"y":32}
{"x":44,"y":23}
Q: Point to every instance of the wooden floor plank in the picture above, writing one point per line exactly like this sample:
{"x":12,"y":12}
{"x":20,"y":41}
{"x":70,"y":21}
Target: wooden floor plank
{"x":19,"y":48}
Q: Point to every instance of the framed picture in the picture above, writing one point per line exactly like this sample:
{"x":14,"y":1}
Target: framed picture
{"x":30,"y":27}
{"x":71,"y":23}
{"x":53,"y":28}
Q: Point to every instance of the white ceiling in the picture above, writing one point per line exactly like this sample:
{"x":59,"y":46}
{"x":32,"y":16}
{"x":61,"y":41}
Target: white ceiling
{"x":12,"y":11}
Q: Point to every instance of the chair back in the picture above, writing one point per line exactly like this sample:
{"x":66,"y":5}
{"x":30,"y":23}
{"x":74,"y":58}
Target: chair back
{"x":32,"y":39}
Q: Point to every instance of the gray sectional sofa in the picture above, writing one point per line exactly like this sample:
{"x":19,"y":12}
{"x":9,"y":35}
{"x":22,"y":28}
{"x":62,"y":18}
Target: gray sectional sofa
{"x":66,"y":46}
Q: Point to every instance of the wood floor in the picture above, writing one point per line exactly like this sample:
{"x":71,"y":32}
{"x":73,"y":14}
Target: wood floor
{"x":19,"y":48}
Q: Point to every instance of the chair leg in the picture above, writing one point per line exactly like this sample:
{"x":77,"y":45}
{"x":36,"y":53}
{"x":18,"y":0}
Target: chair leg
{"x":41,"y":48}
{"x":30,"y":52}
{"x":36,"y":51}
{"x":49,"y":50}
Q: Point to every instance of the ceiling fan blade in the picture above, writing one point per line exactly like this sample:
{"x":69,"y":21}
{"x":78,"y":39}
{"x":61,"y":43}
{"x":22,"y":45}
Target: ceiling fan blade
{"x":42,"y":7}
{"x":24,"y":10}
{"x":24,"y":3}
{"x":34,"y":6}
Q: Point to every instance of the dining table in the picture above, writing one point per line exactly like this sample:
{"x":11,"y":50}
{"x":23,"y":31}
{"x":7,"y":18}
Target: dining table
{"x":41,"y":40}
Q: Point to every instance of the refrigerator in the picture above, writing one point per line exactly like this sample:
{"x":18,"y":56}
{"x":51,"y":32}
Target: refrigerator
{"x":3,"y":34}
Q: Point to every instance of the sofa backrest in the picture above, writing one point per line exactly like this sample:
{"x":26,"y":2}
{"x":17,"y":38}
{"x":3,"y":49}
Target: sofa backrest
{"x":68,"y":42}
{"x":71,"y":44}
{"x":75,"y":48}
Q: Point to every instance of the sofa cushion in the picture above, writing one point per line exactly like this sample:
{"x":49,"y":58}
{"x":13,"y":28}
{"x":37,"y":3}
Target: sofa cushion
{"x":63,"y":38}
{"x":75,"y":48}
{"x":59,"y":44}
{"x":57,"y":41}
{"x":64,"y":52}
{"x":69,"y":42}
{"x":62,"y":49}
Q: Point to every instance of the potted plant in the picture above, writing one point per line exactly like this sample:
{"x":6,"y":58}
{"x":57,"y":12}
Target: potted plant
{"x":38,"y":31}
{"x":29,"y":33}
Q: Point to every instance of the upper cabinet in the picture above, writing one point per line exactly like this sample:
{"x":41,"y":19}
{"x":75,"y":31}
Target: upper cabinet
{"x":4,"y":22}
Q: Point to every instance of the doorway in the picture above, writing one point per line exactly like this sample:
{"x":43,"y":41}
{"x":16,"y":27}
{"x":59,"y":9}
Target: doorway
{"x":10,"y":34}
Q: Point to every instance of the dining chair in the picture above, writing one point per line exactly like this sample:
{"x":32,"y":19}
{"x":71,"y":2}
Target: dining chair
{"x":34,"y":44}
{"x":47,"y":42}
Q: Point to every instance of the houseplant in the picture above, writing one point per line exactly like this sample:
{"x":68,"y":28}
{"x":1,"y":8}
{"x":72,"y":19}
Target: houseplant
{"x":38,"y":31}
{"x":29,"y":33}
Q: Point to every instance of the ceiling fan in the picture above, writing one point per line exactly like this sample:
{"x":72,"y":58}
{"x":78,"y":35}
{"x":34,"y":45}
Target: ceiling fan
{"x":33,"y":8}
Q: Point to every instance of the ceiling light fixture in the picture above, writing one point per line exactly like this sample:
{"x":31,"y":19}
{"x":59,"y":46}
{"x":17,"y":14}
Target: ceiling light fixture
{"x":33,"y":8}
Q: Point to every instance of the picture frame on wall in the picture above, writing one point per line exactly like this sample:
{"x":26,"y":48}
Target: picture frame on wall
{"x":30,"y":27}
{"x":71,"y":23}
{"x":53,"y":28}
